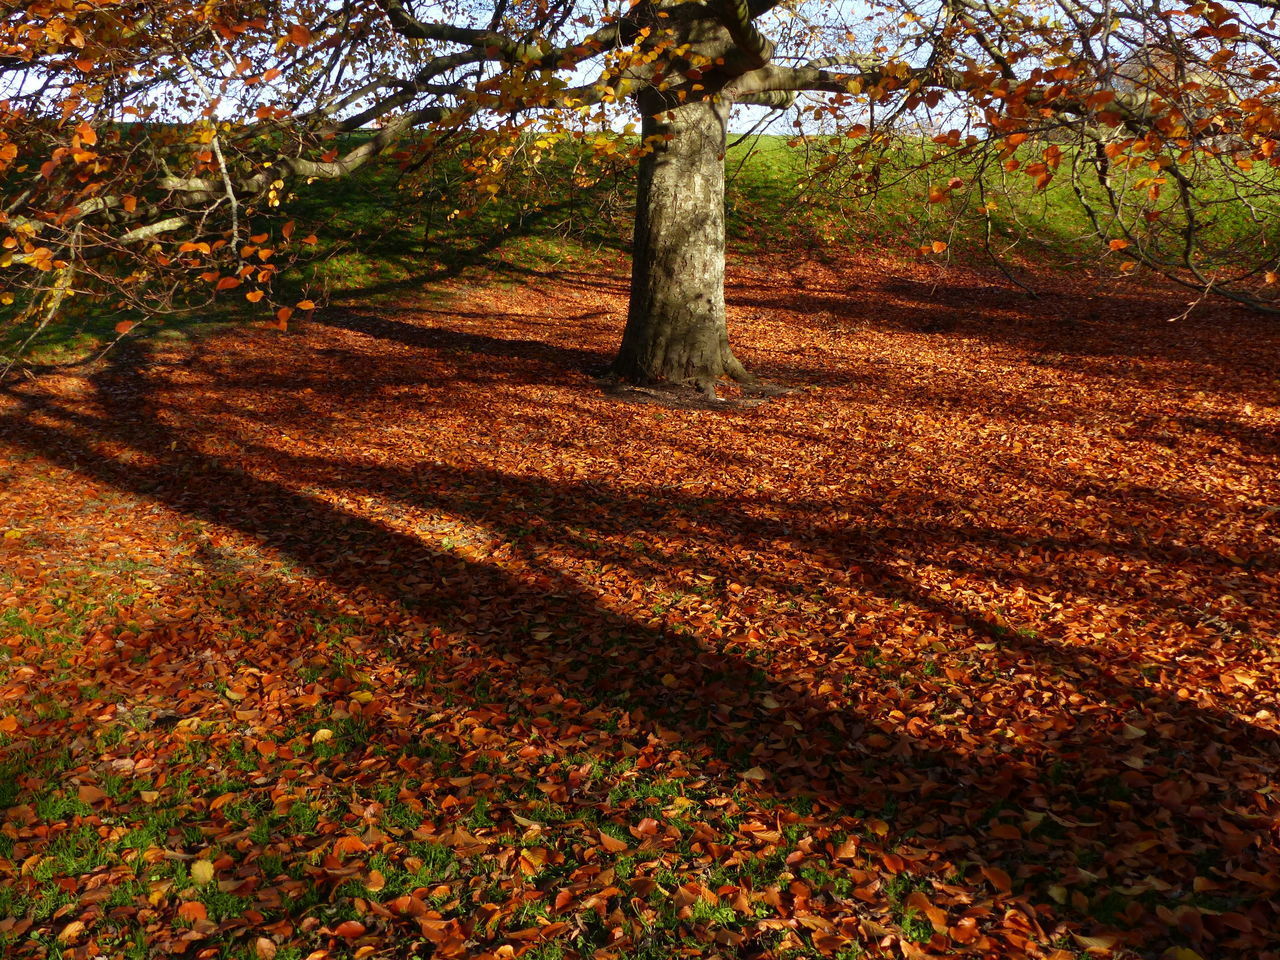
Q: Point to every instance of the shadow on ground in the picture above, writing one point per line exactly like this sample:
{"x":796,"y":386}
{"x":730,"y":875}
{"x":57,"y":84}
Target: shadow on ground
{"x":933,"y":606}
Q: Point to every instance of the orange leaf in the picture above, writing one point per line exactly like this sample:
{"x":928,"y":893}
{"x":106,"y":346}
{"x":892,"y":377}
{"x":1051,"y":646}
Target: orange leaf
{"x":998,"y":879}
{"x":612,"y":844}
{"x":88,"y":136}
{"x":90,"y":794}
{"x":349,"y":929}
{"x":306,"y":305}
{"x":349,"y":844}
{"x":253,"y":296}
{"x":193,"y":911}
{"x":124,"y":326}
{"x":226,"y":283}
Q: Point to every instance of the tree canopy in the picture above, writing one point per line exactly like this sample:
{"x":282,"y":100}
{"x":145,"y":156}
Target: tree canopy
{"x":147,"y":147}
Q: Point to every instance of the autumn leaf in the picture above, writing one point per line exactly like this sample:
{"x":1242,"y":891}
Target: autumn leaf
{"x":612,"y":844}
{"x":192,"y":911}
{"x":87,"y":793}
{"x":347,"y":845}
{"x":998,"y":878}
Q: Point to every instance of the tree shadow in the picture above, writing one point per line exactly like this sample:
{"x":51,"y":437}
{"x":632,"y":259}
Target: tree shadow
{"x":553,"y":360}
{"x":959,"y":782}
{"x":1106,"y":329}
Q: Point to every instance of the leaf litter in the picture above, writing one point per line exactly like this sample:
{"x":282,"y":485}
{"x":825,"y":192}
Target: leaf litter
{"x":396,"y":635}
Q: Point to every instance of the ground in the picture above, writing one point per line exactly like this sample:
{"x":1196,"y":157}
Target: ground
{"x":397,"y":635}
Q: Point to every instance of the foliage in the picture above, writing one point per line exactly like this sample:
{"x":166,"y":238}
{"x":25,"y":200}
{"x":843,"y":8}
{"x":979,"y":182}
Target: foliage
{"x":149,"y":150}
{"x":381,"y":235}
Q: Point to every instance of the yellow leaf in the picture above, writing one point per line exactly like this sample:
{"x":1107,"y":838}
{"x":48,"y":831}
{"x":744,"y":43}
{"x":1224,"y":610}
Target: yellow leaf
{"x":30,"y":864}
{"x":1095,"y":943}
{"x":202,"y":871}
{"x":321,"y":735}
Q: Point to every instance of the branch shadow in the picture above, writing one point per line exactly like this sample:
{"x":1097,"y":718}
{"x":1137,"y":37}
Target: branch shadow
{"x":702,"y":697}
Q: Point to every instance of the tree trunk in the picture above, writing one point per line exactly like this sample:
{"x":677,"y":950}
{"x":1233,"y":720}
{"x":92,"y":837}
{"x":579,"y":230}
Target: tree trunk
{"x":675,"y":324}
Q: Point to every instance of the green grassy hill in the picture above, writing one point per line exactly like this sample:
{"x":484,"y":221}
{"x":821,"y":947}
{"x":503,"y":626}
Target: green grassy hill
{"x":385,"y":232}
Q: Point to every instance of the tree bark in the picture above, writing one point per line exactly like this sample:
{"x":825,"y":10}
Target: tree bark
{"x":675,"y":323}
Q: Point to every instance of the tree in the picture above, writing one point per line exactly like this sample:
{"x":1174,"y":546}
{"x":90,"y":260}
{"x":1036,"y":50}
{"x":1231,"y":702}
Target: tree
{"x":140,"y":140}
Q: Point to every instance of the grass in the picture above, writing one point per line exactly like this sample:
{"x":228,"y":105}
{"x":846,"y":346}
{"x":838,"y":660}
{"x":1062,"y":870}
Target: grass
{"x":385,"y":235}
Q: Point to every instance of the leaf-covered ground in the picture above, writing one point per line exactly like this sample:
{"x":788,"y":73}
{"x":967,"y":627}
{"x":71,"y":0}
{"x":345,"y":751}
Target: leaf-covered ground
{"x":397,"y":636}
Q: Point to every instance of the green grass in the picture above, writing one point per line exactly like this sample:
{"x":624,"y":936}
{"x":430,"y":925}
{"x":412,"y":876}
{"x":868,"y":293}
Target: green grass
{"x":383,"y":234}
